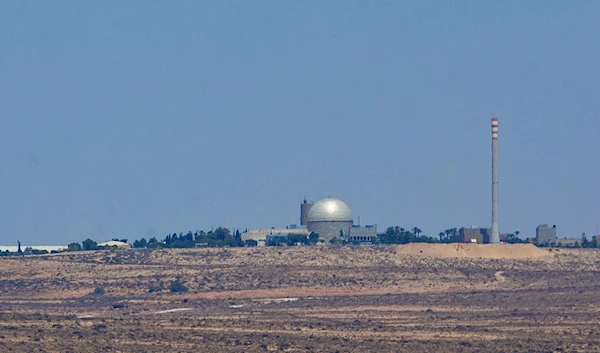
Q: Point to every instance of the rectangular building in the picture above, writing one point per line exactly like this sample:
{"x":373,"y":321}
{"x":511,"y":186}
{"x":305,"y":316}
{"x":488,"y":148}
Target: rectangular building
{"x":472,"y":235}
{"x":565,"y":243}
{"x":366,"y":234}
{"x":545,"y":234}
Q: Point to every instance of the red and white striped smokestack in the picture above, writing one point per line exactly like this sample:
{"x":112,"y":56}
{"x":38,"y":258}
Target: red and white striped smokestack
{"x":495,"y":234}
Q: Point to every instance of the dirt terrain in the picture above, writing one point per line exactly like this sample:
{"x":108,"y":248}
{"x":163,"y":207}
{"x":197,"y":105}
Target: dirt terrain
{"x":412,"y":298}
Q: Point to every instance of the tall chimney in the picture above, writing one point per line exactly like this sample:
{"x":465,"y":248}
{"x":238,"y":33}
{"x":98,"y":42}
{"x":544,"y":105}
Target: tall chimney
{"x":495,"y":235}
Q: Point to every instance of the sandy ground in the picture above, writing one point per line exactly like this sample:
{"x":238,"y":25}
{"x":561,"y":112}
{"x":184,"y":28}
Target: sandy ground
{"x":410,"y":298}
{"x":487,"y":251}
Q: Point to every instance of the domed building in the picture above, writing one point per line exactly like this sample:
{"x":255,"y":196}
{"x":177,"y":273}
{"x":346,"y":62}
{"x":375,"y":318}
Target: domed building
{"x":328,"y":217}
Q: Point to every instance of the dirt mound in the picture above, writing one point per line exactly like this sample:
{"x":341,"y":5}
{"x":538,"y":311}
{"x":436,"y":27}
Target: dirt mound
{"x":488,"y":251}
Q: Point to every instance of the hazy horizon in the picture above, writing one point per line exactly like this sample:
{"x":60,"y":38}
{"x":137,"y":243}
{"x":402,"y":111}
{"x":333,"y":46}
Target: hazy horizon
{"x":138,"y":119}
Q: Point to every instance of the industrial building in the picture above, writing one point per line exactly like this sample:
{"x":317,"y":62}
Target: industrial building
{"x":544,"y":234}
{"x":366,"y":234}
{"x":477,"y":235}
{"x":472,"y":235}
{"x":330,"y":218}
{"x":261,"y":235}
{"x":565,"y":243}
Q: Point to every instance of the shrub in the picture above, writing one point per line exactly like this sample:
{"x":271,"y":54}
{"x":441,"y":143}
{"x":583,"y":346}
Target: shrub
{"x":155,"y":288}
{"x":177,"y":287}
{"x":99,"y":291}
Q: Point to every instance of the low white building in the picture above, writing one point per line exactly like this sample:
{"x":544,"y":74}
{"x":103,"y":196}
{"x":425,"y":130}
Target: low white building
{"x":115,"y":243}
{"x":260,"y":235}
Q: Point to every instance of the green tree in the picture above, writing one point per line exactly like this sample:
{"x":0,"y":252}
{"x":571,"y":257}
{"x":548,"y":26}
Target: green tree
{"x":313,"y":238}
{"x":222,"y":233}
{"x":293,"y":239}
{"x":448,"y":233}
{"x":74,"y":247}
{"x":199,"y":236}
{"x":140,"y":244}
{"x":250,"y":243}
{"x":89,"y":244}
{"x":153,"y":243}
{"x":585,"y":243}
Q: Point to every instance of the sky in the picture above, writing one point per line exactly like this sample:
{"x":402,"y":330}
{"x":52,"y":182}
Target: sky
{"x":141,"y":118}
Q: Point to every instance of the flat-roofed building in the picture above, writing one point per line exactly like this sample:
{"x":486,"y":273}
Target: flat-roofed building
{"x":260,"y":235}
{"x":366,"y":234}
{"x":544,"y":234}
{"x":472,"y":235}
{"x":565,"y":243}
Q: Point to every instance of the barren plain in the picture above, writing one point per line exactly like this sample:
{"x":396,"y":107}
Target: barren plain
{"x":411,"y":298}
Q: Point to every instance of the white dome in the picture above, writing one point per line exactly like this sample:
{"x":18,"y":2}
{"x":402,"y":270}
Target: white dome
{"x":330,"y":210}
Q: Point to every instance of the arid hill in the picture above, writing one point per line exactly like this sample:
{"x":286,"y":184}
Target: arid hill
{"x":411,"y":298}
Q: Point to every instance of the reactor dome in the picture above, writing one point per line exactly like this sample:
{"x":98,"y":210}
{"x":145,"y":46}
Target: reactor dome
{"x":330,"y":210}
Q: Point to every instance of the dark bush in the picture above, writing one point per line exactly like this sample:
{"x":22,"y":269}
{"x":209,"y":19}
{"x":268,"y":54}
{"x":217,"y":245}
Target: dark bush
{"x":155,"y":288}
{"x":177,"y":287}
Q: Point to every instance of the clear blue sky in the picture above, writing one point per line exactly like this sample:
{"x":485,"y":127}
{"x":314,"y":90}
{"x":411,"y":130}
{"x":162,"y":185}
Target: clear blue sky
{"x":132,"y":119}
